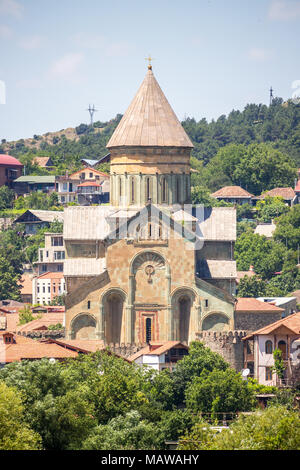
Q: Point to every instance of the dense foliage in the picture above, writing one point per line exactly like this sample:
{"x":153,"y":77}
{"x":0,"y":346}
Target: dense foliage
{"x":99,"y":401}
{"x":275,"y":428}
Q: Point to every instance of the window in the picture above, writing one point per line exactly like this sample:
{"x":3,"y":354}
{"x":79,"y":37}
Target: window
{"x":91,"y":175}
{"x":59,"y":255}
{"x":132,"y":190}
{"x":268,"y":373}
{"x":164,"y":190}
{"x":148,"y":330}
{"x":206,"y":303}
{"x":60,"y":268}
{"x":44,"y":289}
{"x":41,"y":255}
{"x":65,"y":186}
{"x":148,"y":189}
{"x":269,"y":347}
{"x":89,"y":304}
{"x":57,"y":241}
{"x":177,"y":199}
{"x":97,"y":177}
{"x":54,"y":287}
{"x":44,"y":268}
{"x":49,"y":289}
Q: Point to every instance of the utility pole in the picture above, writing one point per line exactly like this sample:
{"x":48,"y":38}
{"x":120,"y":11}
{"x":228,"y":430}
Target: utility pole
{"x":271,"y":95}
{"x":92,"y":110}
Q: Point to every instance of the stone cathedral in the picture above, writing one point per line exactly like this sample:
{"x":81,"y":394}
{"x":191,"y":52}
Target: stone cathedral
{"x":149,"y":266}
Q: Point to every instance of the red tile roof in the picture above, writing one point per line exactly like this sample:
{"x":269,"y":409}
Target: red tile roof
{"x":42,"y":323}
{"x":249,"y":304}
{"x":292,"y":323}
{"x":286,"y":193}
{"x":26,"y":348}
{"x":232,"y":191}
{"x":51,"y":275}
{"x":89,"y":183}
{"x":8,"y":160}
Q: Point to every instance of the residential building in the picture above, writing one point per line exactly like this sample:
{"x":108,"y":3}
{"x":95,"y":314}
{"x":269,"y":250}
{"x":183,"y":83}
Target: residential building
{"x":251,"y":314}
{"x":47,"y":286}
{"x":51,"y":257}
{"x":28,"y":184}
{"x":14,"y":347}
{"x":44,"y":162}
{"x":34,"y":220}
{"x":233,"y":194}
{"x":160,"y":355}
{"x":288,"y":195}
{"x":288,"y":304}
{"x":26,"y":289}
{"x":10,"y":170}
{"x":79,"y":186}
{"x":259,"y":346}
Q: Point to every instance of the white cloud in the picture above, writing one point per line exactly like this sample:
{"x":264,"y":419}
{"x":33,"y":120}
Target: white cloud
{"x":120,"y":49}
{"x":284,"y":10}
{"x":31,"y":42}
{"x":11,"y":7}
{"x":5,"y":32}
{"x":67,"y":66}
{"x":259,"y":54}
{"x":90,"y":41}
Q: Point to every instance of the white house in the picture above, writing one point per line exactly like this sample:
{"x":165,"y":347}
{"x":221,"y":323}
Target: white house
{"x":160,"y":355}
{"x":259,"y":346}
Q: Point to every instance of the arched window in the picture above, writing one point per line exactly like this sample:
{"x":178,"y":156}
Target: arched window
{"x":164,"y":190}
{"x":269,"y":347}
{"x":132,"y":189}
{"x":177,"y":199}
{"x":148,"y":188}
{"x":148,"y":330}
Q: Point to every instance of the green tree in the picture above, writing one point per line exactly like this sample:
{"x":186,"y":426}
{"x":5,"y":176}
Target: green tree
{"x":252,"y":286}
{"x":275,"y":428}
{"x":127,"y":432}
{"x":279,"y":366}
{"x":15,"y":434}
{"x":6,"y":198}
{"x":271,"y":207}
{"x":198,"y":359}
{"x":219,"y":391}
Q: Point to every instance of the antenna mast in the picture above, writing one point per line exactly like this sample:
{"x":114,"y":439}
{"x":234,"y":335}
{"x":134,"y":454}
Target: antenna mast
{"x":92,"y":110}
{"x":271,"y":95}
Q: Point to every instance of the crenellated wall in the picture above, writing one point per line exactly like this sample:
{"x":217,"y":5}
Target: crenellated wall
{"x":229,"y":345}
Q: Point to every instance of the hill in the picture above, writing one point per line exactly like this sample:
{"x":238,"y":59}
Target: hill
{"x":277,"y":126}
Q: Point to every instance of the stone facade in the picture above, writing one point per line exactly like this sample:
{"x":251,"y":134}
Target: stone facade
{"x":251,"y":321}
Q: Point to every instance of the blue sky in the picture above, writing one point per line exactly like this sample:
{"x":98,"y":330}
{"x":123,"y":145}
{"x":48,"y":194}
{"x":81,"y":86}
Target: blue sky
{"x":210,"y":56}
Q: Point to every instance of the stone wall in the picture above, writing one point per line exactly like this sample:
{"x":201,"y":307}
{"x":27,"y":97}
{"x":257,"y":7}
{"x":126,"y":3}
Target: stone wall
{"x":229,"y":345}
{"x":252,"y":321}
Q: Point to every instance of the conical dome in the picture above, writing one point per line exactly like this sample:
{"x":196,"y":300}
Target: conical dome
{"x":149,"y":120}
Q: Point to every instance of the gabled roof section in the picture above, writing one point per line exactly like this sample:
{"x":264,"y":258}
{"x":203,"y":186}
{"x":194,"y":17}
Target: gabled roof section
{"x":232,"y":191}
{"x":249,"y":304}
{"x":149,"y":120}
{"x":291,"y":323}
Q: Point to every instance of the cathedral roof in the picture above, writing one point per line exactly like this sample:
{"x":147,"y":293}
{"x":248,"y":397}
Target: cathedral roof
{"x":149,"y":120}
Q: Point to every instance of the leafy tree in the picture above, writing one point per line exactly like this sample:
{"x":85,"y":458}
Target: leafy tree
{"x":219,"y":391}
{"x":279,"y":366}
{"x":271,"y":207}
{"x":252,"y":286}
{"x":198,"y":359}
{"x":244,"y":211}
{"x":6,"y":198}
{"x":127,"y":432}
{"x":275,"y":428}
{"x":266,"y":256}
{"x":288,"y":228}
{"x":15,"y":434}
{"x":26,"y":315}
